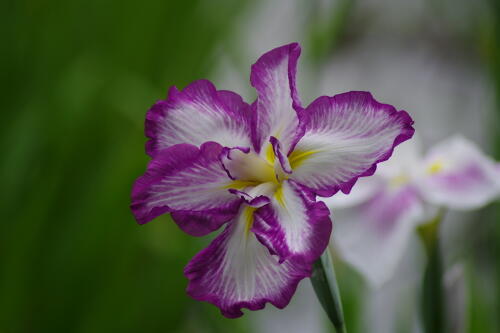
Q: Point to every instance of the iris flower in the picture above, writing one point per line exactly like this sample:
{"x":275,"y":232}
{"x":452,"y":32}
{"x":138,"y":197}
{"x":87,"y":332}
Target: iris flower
{"x":257,"y":169}
{"x":383,"y":211}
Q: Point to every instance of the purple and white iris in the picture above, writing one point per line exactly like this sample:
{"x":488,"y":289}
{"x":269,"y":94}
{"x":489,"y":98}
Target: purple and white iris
{"x":257,"y":169}
{"x":383,"y":211}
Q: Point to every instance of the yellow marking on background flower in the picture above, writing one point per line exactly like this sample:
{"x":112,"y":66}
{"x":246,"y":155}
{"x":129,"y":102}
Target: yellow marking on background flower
{"x":399,"y":181}
{"x":248,"y":218}
{"x":280,"y":196}
{"x":435,"y":167}
{"x":297,"y":157}
{"x":241,"y":184}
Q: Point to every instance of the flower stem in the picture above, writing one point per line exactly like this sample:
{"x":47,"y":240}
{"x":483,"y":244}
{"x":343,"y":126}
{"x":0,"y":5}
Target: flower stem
{"x":432,"y":298}
{"x":325,"y":285}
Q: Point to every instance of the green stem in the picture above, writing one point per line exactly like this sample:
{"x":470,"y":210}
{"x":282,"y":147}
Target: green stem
{"x":432,"y":301}
{"x":325,"y":285}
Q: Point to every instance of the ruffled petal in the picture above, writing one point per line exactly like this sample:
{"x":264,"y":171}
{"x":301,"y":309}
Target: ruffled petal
{"x":345,"y":137}
{"x":198,"y":114}
{"x":373,"y":237}
{"x":189,"y":181}
{"x":456,"y":174}
{"x":294,"y":224}
{"x":275,"y":110}
{"x":236,"y":271}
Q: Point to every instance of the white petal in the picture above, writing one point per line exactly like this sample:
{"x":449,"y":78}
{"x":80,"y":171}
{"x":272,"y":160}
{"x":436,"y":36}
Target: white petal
{"x":373,"y":237}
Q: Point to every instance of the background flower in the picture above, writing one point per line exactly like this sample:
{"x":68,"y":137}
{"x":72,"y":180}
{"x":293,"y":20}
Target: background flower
{"x":407,"y":191}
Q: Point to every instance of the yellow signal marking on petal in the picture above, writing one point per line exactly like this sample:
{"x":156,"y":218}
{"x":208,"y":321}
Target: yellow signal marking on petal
{"x":280,"y":197}
{"x":297,"y":157}
{"x":270,"y":154}
{"x":248,"y":218}
{"x":435,"y":167}
{"x":241,"y":184}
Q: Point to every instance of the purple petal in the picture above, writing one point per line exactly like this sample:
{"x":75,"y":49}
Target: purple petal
{"x":198,"y":114}
{"x":201,"y":223}
{"x":236,"y":271}
{"x":345,"y":137}
{"x":458,"y":175}
{"x":275,"y":110}
{"x":189,"y":181}
{"x":294,"y":224}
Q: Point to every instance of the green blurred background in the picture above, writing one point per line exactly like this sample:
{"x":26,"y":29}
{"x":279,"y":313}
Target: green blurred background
{"x":77,"y":79}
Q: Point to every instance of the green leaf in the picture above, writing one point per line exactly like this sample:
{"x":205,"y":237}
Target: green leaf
{"x":432,"y":298}
{"x":325,"y":285}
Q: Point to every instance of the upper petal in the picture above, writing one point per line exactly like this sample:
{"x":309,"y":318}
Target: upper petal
{"x":236,"y":271}
{"x":198,"y":114}
{"x":455,"y":173}
{"x":345,"y":137}
{"x":189,"y":181}
{"x":275,"y":110}
{"x":294,"y":224}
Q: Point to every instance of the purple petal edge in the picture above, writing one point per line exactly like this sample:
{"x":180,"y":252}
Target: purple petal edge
{"x":201,"y":223}
{"x":256,"y":202}
{"x":285,"y":164}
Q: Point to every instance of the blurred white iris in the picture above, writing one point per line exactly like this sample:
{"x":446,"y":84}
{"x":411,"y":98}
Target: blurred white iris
{"x":408,"y":190}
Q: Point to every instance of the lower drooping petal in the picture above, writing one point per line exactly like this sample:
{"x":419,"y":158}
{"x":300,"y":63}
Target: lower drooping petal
{"x":236,"y":271}
{"x":198,"y":114}
{"x":345,"y":137}
{"x":458,"y":175}
{"x":373,"y":237}
{"x":189,"y":181}
{"x":294,"y":224}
